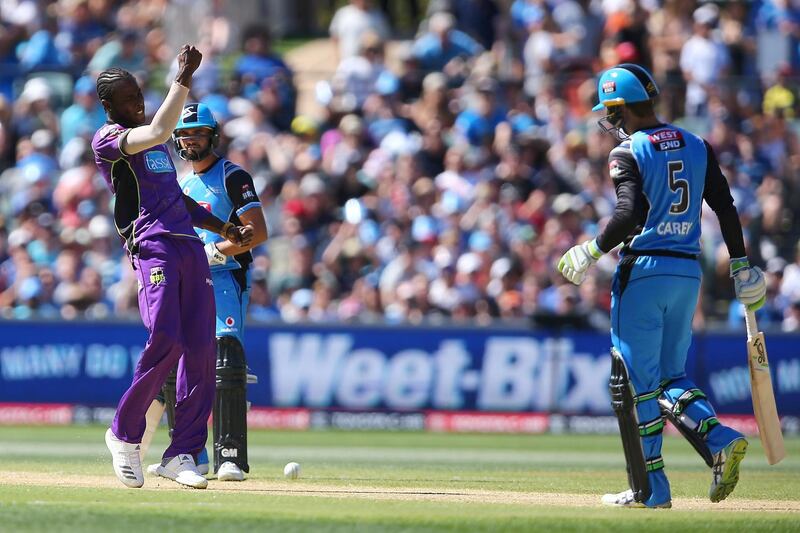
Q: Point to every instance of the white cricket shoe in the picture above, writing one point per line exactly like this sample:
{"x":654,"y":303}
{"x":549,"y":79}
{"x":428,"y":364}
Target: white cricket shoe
{"x":229,"y":471}
{"x":725,"y":471}
{"x":126,"y":460}
{"x":202,"y":465}
{"x":625,"y":499}
{"x":182,"y":469}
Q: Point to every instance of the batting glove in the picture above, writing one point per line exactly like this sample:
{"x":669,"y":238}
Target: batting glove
{"x":574,"y":264}
{"x":749,"y":283}
{"x":215,"y":257}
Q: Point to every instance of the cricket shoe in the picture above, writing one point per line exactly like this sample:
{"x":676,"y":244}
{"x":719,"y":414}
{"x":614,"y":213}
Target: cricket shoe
{"x":725,"y":470}
{"x":229,"y":471}
{"x":202,"y":464}
{"x":182,"y":469}
{"x":626,"y":499}
{"x":126,"y":460}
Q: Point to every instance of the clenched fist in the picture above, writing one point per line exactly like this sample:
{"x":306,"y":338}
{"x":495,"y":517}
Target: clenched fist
{"x":189,"y":59}
{"x":240,"y":235}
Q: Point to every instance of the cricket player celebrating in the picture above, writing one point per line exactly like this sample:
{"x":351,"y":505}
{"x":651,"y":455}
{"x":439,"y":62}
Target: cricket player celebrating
{"x":176,"y":300}
{"x":227,"y":191}
{"x":661,"y":174}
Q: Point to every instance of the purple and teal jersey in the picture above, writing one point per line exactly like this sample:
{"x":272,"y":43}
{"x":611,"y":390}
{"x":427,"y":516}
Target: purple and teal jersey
{"x":148,"y":199}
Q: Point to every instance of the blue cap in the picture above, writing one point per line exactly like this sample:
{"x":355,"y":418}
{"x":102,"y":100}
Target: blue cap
{"x":625,"y":84}
{"x":196,"y":116}
{"x":387,"y":83}
{"x":423,"y":229}
{"x":480,"y":241}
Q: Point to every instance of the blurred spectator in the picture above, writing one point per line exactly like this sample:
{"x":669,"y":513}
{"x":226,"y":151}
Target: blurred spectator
{"x":704,"y":60}
{"x":124,"y":51}
{"x":478,"y":122}
{"x":85,"y":115}
{"x":357,"y":75}
{"x":351,"y":22}
{"x":437,"y":182}
{"x":445,"y":48}
{"x":33,"y":110}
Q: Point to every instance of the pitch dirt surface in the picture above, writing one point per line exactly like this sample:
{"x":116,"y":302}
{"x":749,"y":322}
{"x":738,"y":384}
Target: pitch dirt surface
{"x":60,"y":479}
{"x":431,"y":494}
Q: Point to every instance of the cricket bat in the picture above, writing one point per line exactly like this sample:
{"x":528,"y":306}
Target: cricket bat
{"x":769,"y":425}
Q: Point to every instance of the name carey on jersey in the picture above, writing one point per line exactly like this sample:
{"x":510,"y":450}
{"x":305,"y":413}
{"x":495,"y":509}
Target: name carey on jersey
{"x":666,"y":140}
{"x":674,"y":228}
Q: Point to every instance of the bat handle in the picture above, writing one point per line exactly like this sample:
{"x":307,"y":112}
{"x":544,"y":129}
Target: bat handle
{"x":750,"y":322}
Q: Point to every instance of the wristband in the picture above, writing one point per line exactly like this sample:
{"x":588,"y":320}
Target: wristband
{"x":594,"y":250}
{"x":225,"y":227}
{"x":738,"y":264}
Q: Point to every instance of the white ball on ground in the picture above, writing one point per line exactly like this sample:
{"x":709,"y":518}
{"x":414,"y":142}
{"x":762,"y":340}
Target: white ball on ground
{"x":291,"y":470}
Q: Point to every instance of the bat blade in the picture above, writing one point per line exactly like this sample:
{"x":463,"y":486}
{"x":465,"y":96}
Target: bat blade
{"x":764,"y":408}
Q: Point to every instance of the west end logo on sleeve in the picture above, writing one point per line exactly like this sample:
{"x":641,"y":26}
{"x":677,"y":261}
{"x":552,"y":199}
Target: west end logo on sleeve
{"x":158,"y":161}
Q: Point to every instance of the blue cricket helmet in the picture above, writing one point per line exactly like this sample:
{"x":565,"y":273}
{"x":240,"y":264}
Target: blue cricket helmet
{"x":625,"y":84}
{"x":196,"y":116}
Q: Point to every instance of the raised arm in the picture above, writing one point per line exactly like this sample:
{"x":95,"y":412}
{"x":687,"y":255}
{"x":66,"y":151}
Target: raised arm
{"x":160,"y":129}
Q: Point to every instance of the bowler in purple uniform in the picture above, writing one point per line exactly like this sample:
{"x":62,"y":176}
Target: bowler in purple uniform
{"x":176,"y":298}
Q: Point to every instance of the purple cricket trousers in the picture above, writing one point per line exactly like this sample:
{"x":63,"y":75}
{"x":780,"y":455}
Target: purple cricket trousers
{"x":176,"y":302}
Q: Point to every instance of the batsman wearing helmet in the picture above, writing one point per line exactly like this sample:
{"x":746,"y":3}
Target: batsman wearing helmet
{"x":662,"y":174}
{"x":227,"y":191}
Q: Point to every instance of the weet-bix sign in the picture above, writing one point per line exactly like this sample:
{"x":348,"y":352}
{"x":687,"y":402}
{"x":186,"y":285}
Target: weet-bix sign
{"x":384,"y":369}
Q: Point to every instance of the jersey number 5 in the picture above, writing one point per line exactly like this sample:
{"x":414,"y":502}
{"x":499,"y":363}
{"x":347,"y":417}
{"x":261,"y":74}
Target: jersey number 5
{"x":677,"y":185}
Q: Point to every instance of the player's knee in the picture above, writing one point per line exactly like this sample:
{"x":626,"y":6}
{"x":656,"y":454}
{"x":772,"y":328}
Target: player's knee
{"x":165,"y":340}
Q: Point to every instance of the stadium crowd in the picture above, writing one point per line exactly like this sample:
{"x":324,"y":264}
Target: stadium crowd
{"x":444,"y":176}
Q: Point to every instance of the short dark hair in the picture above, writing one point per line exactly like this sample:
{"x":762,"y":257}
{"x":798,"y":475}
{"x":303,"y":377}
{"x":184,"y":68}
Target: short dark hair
{"x":108,"y":79}
{"x":641,"y":109}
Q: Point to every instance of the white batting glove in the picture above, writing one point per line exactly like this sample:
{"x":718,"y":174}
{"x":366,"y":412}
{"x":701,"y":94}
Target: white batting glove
{"x":749,"y":284}
{"x":574,"y":264}
{"x":215,"y":257}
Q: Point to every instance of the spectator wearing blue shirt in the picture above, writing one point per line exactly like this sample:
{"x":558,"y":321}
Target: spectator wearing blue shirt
{"x":123,"y":52}
{"x":478,"y":122}
{"x":479,"y":19}
{"x":77,"y":28}
{"x":259,"y":67}
{"x":85,"y":116}
{"x":443,"y":43}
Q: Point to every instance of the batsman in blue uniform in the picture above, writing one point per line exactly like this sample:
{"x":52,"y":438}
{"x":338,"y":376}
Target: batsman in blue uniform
{"x":227,"y":191}
{"x":662,"y":174}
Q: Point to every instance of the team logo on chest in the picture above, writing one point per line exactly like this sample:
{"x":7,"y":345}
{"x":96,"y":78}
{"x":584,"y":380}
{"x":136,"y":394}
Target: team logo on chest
{"x":157,"y":161}
{"x":157,"y":276}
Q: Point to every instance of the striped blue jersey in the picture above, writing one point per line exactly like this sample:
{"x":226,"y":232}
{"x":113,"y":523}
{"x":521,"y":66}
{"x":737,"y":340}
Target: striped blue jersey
{"x":672,"y":163}
{"x":227,"y":191}
{"x":662,"y":175}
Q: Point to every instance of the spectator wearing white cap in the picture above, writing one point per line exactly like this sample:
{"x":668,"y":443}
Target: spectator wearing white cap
{"x":352,"y":21}
{"x":704,"y":59}
{"x":33,"y":109}
{"x":357,"y":74}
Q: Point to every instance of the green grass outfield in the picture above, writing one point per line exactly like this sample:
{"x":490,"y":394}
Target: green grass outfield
{"x":60,"y":479}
